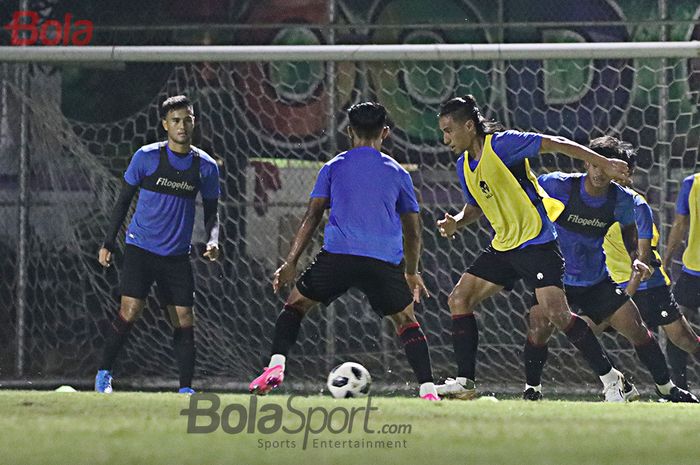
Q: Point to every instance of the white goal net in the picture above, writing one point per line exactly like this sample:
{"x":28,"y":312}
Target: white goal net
{"x":271,"y":125}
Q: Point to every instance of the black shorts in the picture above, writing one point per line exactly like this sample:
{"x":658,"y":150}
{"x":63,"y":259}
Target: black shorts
{"x":172,"y":274}
{"x":597,"y":302}
{"x":330,"y":275}
{"x":657,"y":306}
{"x":539,"y":265}
{"x":687,"y":290}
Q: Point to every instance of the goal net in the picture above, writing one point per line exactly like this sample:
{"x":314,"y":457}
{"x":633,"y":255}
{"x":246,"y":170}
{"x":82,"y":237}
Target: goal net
{"x":271,"y":125}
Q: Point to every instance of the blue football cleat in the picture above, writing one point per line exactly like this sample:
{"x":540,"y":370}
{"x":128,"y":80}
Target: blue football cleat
{"x":186,"y":390}
{"x":103,"y":381}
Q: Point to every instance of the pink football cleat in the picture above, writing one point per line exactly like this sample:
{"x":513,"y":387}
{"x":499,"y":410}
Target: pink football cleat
{"x":430,"y":396}
{"x":269,"y":379}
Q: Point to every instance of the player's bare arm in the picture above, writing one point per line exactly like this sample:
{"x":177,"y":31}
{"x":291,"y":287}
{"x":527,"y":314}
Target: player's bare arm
{"x":119,"y":212}
{"x":312,"y":218}
{"x":615,"y":169}
{"x":449,"y":225}
{"x":679,"y":229}
{"x":211,"y":227}
{"x":640,"y":268}
{"x":411,"y":226}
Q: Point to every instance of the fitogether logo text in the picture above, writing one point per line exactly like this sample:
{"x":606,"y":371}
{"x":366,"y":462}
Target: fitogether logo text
{"x":205,"y":414}
{"x":182,"y":185}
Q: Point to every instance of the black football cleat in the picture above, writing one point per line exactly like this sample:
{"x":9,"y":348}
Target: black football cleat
{"x":531,"y":394}
{"x":679,"y":395}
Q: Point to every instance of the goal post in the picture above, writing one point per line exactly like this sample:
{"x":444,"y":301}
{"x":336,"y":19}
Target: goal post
{"x":398,"y":52}
{"x":271,"y":115}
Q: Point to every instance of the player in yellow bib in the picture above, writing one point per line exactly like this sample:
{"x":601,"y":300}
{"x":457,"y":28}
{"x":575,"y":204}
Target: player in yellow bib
{"x":497,"y":183}
{"x":687,"y":288}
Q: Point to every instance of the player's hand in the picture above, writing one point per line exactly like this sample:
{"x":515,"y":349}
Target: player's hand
{"x":284,"y":275}
{"x":642,"y":268}
{"x":633,"y":283}
{"x":617,"y":170}
{"x":104,"y":256}
{"x":417,"y":286}
{"x":447,"y":226}
{"x":212,"y":252}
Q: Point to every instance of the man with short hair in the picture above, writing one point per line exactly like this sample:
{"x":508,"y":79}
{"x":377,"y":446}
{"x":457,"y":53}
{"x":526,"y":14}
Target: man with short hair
{"x":372,"y":242}
{"x":593,"y":203}
{"x":158,"y":239}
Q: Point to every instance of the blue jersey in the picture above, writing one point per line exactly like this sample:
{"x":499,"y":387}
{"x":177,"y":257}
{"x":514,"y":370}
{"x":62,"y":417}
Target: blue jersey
{"x":513,"y":147}
{"x":583,"y":254}
{"x":163,"y":223}
{"x":368,"y":192}
{"x":683,"y":208}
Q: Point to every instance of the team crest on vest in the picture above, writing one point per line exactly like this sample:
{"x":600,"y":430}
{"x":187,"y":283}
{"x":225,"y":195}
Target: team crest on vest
{"x":485,"y":189}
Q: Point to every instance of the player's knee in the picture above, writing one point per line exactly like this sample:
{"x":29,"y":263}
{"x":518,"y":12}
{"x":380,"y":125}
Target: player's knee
{"x":539,"y":327}
{"x":558,"y":316}
{"x":299,"y":303}
{"x":185,"y":317}
{"x":538,"y":336}
{"x":403,"y":318}
{"x":636,"y":333}
{"x":460,"y":303}
{"x":687,"y":343}
{"x":130,"y":313}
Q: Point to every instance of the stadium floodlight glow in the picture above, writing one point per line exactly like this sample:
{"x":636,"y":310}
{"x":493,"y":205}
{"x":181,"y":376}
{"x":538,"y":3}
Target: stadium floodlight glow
{"x":426,"y":52}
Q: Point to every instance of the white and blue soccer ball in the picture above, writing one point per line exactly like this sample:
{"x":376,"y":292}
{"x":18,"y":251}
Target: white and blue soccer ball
{"x":349,"y":379}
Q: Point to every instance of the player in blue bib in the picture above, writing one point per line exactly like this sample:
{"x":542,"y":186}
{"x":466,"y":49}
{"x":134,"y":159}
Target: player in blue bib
{"x":169,"y":175}
{"x":372,"y":242}
{"x":495,"y":175}
{"x":593,"y":203}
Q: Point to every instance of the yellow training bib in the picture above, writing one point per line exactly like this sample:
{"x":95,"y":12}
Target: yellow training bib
{"x":691,"y":256}
{"x":617,"y":258}
{"x":503,"y":200}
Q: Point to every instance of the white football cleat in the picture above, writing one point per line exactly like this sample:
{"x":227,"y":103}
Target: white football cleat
{"x":460,"y":388}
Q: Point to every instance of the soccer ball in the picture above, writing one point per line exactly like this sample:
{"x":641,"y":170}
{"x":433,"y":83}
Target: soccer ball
{"x":349,"y":379}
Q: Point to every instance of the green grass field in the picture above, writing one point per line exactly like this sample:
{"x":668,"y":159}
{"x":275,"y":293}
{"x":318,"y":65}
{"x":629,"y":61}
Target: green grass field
{"x":147,"y":428}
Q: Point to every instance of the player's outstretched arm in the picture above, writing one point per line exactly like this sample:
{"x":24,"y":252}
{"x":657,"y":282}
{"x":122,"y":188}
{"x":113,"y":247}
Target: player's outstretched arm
{"x":678,"y":231}
{"x":121,"y":208}
{"x":211,"y":227}
{"x":616,"y":169}
{"x":449,"y":225}
{"x":312,"y":218}
{"x":411,"y":225}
